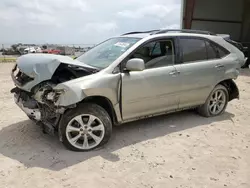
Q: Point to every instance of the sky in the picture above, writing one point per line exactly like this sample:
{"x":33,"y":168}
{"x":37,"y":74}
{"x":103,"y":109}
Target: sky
{"x":82,"y":21}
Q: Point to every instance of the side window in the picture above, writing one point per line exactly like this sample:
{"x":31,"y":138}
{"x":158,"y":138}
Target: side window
{"x":156,"y":54}
{"x":193,"y":49}
{"x":215,"y":51}
{"x":156,"y":50}
{"x":211,"y":51}
{"x":221,"y":52}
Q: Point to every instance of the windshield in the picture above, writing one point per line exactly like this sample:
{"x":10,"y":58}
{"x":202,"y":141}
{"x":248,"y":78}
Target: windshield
{"x":107,"y":52}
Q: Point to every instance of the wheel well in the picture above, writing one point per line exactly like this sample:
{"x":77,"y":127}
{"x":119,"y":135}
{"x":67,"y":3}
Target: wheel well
{"x":104,"y":103}
{"x":233,"y":90}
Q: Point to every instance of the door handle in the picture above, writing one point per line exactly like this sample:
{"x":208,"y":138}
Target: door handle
{"x":219,"y":66}
{"x":173,"y":73}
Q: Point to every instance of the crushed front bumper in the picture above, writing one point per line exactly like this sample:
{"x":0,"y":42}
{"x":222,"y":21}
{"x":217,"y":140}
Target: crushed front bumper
{"x":35,"y":113}
{"x":31,"y":113}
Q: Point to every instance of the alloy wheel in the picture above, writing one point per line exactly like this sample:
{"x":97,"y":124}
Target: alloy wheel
{"x":85,"y":131}
{"x":217,"y":102}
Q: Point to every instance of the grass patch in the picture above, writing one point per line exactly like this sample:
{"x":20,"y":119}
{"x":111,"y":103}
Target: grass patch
{"x":13,"y":59}
{"x":8,"y":59}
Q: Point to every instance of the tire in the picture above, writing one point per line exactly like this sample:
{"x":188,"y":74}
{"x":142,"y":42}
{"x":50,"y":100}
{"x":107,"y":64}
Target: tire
{"x":206,"y":110}
{"x":85,"y":112}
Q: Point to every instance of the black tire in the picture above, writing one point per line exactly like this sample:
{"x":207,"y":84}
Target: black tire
{"x":204,"y":109}
{"x":86,"y":108}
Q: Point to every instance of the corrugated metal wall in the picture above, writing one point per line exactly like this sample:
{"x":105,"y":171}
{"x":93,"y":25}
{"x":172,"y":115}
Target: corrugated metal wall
{"x":219,"y":11}
{"x":246,"y":22}
{"x":220,"y":16}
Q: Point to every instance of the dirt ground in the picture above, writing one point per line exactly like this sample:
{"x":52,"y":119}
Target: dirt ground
{"x":180,"y":150}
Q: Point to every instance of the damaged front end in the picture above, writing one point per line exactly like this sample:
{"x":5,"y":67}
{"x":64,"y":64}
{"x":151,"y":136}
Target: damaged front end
{"x":35,"y":77}
{"x":40,"y":110}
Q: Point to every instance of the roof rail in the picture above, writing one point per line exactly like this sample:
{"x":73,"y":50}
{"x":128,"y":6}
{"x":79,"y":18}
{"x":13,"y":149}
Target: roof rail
{"x":139,"y":32}
{"x":183,"y":31}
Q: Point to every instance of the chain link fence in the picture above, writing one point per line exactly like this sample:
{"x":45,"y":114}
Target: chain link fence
{"x":10,"y":52}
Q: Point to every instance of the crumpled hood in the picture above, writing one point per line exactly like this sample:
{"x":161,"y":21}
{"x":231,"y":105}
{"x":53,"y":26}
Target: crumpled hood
{"x":41,"y":67}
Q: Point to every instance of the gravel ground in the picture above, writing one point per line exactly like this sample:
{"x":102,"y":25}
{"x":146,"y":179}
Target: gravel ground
{"x":178,"y":150}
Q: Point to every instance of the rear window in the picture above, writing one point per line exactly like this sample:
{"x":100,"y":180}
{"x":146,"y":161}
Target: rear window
{"x":221,"y":52}
{"x":214,"y":49}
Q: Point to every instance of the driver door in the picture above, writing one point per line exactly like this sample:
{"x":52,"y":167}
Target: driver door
{"x":155,"y":89}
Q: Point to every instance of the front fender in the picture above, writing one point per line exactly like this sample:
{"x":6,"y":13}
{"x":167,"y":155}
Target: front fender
{"x":106,"y":85}
{"x":69,"y":95}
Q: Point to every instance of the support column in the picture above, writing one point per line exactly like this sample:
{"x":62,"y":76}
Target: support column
{"x":189,"y":13}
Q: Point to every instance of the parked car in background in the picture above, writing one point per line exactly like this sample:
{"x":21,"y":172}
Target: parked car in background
{"x":32,"y":50}
{"x":51,"y":51}
{"x":126,"y":78}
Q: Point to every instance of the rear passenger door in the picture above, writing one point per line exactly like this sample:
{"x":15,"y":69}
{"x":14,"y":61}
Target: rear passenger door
{"x":200,"y":69}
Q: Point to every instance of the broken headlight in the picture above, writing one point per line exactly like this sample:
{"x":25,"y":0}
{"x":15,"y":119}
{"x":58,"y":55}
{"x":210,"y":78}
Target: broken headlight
{"x":21,"y":77}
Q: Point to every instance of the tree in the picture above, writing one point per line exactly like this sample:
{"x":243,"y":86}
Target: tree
{"x":14,"y":47}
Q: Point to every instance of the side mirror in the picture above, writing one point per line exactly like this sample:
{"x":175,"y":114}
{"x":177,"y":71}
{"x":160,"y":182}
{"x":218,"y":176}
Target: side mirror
{"x":135,"y":64}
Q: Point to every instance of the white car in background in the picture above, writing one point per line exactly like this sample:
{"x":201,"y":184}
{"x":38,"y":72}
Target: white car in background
{"x":32,"y":50}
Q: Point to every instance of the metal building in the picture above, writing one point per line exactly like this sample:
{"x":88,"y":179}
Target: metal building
{"x":220,"y":16}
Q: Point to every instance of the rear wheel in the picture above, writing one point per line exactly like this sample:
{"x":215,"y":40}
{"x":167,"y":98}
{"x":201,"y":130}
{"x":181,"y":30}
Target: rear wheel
{"x":216,"y":102}
{"x":86,"y":127}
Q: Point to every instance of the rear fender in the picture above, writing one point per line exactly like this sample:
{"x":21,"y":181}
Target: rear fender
{"x":232,"y":88}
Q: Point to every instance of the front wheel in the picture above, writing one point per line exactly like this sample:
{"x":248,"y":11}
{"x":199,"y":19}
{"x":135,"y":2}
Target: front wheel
{"x":85,"y":128}
{"x":216,"y":102}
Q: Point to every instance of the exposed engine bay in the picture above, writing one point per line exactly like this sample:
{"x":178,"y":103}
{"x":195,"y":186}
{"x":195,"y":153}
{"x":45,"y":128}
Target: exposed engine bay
{"x":68,"y":72}
{"x":39,"y":102}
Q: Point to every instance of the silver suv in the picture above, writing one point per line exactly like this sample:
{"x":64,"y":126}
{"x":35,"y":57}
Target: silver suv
{"x":126,"y":78}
